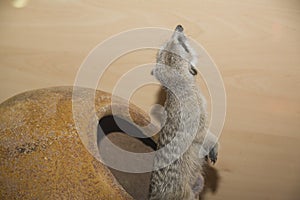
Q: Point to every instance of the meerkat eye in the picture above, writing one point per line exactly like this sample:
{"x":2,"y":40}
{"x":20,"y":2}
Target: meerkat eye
{"x":181,"y":42}
{"x":193,"y":70}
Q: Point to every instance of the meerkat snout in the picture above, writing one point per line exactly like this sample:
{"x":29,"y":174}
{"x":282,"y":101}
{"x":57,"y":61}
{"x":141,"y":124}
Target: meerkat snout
{"x":179,"y":28}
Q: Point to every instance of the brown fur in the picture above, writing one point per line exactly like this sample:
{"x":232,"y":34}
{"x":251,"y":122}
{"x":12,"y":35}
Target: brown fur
{"x":178,"y":164}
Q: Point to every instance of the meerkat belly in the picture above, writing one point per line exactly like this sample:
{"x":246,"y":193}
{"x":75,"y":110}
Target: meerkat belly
{"x":170,"y":182}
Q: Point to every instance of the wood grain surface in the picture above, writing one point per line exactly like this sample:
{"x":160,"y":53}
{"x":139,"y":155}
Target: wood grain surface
{"x":256,"y":45}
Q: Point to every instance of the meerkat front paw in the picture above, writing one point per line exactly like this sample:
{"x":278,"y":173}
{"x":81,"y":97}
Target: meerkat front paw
{"x":213,"y":153}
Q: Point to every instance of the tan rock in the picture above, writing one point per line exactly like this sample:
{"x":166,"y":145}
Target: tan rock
{"x":42,"y":155}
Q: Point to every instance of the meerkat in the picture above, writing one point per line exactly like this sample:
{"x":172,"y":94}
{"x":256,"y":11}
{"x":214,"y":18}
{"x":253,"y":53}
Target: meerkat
{"x":178,"y":167}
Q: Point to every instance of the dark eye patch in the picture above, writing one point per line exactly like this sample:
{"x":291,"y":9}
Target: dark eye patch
{"x":193,"y":70}
{"x":183,"y":44}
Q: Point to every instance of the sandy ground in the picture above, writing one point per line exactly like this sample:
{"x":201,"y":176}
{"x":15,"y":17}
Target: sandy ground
{"x":256,"y":45}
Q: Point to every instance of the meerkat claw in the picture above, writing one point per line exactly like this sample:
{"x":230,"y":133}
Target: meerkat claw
{"x":213,"y":154}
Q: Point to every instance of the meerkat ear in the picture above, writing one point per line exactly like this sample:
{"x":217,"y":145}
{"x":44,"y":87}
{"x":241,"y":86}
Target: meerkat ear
{"x":193,"y":70}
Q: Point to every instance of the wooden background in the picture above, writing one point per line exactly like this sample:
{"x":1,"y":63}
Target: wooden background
{"x":256,"y":45}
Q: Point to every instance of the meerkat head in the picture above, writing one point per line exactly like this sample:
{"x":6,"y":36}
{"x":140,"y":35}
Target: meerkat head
{"x":176,"y":60}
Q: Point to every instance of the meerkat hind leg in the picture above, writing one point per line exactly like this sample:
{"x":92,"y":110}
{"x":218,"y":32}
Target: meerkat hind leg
{"x":198,"y":186}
